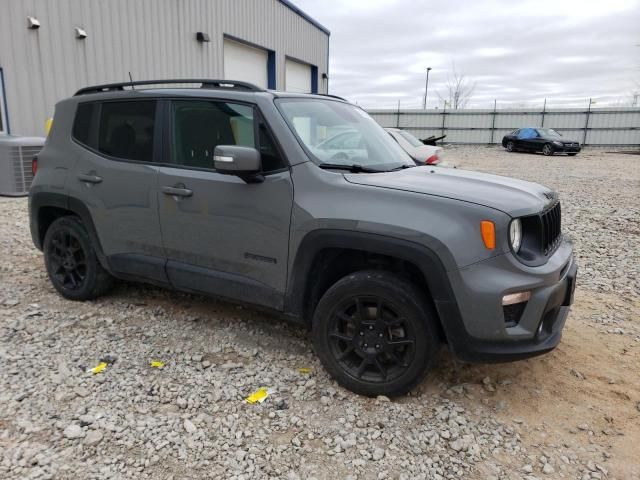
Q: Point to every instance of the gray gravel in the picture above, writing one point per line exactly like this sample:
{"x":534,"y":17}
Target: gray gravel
{"x":188,"y":418}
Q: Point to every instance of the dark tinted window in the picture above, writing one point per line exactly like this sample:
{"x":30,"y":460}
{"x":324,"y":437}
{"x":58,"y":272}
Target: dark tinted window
{"x":126,"y":130}
{"x":270,"y":155}
{"x":199,"y":126}
{"x":82,"y":122}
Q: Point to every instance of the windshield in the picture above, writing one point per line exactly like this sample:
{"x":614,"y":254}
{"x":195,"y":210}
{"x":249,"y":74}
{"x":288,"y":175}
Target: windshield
{"x":342,"y":134}
{"x":548,"y":132}
{"x":410,"y":138}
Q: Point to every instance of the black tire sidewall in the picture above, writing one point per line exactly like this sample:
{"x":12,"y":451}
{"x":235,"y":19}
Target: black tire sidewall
{"x":512,"y":148}
{"x":74,"y":226}
{"x":544,"y":147}
{"x":409,"y":302}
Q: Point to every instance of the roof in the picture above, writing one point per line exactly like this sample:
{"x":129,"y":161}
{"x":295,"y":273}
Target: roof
{"x":309,"y":19}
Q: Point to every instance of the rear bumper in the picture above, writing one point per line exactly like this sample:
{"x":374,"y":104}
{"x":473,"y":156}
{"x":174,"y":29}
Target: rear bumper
{"x":482,"y":334}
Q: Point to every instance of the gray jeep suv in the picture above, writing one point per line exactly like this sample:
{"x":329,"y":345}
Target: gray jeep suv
{"x":219,"y":189}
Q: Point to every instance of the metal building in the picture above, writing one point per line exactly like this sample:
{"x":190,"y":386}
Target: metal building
{"x":50,"y":49}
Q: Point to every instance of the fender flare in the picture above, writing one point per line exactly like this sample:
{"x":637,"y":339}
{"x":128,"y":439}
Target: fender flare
{"x":40,"y":200}
{"x":426,"y":259}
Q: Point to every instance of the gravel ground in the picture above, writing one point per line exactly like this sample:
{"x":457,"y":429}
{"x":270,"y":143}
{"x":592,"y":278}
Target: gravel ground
{"x":574,"y":413}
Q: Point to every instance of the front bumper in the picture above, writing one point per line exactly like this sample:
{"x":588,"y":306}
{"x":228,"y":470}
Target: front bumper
{"x":567,"y":149}
{"x":478,"y":330}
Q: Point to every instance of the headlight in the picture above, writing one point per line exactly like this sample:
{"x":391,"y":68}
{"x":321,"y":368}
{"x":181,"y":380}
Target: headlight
{"x":515,"y":234}
{"x":556,"y":142}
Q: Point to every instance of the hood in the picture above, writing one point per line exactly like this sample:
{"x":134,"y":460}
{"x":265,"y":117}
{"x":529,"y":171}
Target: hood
{"x":509,"y":195}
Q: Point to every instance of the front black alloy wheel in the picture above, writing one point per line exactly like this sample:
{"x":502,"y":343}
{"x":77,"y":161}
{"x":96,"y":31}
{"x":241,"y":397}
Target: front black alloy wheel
{"x":71,"y":261}
{"x":374,"y":333}
{"x":511,"y":147}
{"x":370,"y":340}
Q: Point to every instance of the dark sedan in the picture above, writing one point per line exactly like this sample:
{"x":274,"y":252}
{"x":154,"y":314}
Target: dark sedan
{"x":545,"y":140}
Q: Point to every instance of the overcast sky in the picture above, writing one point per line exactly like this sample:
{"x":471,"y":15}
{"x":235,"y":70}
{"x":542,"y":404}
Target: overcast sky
{"x":517,"y":51}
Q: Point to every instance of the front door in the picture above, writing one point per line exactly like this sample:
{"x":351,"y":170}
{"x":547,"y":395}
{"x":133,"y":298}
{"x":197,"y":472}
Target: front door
{"x":224,"y":236}
{"x":116,"y":179}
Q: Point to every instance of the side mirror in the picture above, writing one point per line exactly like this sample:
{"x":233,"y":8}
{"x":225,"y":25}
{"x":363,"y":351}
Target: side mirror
{"x":244,"y":162}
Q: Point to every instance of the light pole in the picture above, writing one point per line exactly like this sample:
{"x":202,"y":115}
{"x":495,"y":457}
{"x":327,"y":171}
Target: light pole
{"x":426,"y":90}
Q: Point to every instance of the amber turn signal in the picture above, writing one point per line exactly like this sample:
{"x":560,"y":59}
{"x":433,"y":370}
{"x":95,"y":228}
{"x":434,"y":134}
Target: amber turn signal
{"x":488,"y":231}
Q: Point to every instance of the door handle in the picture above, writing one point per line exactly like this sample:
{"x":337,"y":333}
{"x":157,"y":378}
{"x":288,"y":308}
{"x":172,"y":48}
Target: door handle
{"x":176,"y":191}
{"x":83,"y":177}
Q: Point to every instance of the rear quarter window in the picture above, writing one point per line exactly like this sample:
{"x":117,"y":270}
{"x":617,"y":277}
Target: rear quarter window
{"x":82,"y":123}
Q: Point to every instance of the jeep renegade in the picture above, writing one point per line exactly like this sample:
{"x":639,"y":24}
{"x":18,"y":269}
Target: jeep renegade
{"x":227,"y":189}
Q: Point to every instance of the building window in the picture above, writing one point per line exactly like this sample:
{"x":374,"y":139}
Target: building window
{"x":4,"y":123}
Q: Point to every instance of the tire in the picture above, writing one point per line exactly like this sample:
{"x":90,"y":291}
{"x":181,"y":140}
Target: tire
{"x":354,"y":326}
{"x":547,"y":149}
{"x":511,"y":147}
{"x":71,"y":262}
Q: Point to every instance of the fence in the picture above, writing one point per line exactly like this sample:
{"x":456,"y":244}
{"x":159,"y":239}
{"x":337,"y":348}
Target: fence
{"x":593,"y":126}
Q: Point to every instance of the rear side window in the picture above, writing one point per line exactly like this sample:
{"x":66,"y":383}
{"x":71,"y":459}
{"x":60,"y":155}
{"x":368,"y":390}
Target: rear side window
{"x":126,"y":130}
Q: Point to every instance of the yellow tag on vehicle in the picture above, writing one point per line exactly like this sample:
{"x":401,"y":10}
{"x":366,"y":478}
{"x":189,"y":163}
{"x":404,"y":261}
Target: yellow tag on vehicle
{"x":157,"y":364}
{"x":258,"y":396}
{"x":100,"y":367}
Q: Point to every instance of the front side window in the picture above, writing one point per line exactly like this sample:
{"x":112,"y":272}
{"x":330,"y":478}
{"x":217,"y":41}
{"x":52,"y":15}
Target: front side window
{"x":126,"y":130}
{"x":548,"y":132}
{"x":339,"y":133}
{"x":200,"y":126}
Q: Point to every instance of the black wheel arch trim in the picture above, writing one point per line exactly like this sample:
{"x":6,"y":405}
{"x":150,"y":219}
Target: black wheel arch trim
{"x":424,"y":258}
{"x":40,"y":200}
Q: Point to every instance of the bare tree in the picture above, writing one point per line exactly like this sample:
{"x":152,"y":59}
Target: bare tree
{"x":458,"y":90}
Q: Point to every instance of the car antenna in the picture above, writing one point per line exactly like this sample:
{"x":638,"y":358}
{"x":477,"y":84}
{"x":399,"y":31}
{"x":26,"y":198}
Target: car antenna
{"x":131,"y":80}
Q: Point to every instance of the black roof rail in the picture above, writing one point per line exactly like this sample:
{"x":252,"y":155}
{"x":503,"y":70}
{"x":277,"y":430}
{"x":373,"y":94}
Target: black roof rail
{"x":204,"y":83}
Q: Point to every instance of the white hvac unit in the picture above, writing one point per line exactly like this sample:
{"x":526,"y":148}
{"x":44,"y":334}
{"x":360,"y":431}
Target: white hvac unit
{"x":16,"y":155}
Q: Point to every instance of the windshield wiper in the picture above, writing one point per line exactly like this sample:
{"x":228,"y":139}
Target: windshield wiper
{"x":401,"y":167}
{"x":353,"y":168}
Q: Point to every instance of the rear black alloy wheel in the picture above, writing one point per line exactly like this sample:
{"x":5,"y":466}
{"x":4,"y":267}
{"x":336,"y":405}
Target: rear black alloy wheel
{"x":374,"y":333}
{"x":547,"y":149}
{"x":71,"y":261}
{"x":68,"y":260}
{"x":510,"y":147}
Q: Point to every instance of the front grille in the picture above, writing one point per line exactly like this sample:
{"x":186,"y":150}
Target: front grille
{"x":551,"y":228}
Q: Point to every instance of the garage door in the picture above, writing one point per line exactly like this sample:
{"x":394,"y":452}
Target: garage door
{"x":297,"y":77}
{"x":242,"y":62}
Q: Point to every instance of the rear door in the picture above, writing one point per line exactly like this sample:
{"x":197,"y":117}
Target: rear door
{"x":223,"y":236}
{"x":115,"y":177}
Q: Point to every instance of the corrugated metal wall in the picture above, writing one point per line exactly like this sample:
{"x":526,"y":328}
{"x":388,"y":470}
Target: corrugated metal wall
{"x":601,"y":126}
{"x":149,"y":38}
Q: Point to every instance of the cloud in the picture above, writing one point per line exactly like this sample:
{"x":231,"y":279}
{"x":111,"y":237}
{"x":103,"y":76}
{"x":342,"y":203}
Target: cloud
{"x":517,"y":52}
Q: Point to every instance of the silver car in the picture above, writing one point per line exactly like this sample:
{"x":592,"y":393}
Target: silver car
{"x":422,"y":154}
